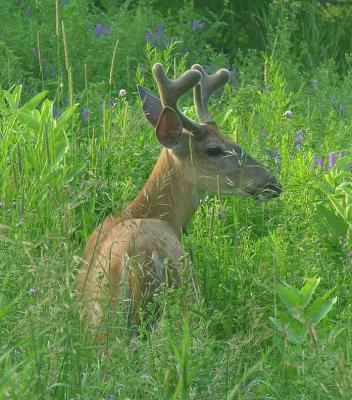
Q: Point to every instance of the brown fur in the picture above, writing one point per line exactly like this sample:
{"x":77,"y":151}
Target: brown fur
{"x":127,"y":251}
{"x":152,"y":223}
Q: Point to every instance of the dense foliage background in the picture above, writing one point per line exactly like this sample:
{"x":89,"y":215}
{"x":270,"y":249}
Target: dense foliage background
{"x":273,"y":320}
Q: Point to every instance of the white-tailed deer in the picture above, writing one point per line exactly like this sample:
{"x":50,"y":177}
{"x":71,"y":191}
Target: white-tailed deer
{"x":129,"y":250}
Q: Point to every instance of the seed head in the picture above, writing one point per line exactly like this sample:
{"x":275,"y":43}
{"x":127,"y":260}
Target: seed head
{"x":31,"y":292}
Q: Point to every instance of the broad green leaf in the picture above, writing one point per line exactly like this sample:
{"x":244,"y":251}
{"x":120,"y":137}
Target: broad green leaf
{"x":34,"y":101}
{"x":308,"y":290}
{"x":290,"y":297}
{"x":338,"y":206}
{"x":60,"y":152}
{"x":65,"y":117}
{"x":10,"y":99}
{"x":320,"y":309}
{"x":16,"y":95}
{"x":30,"y":120}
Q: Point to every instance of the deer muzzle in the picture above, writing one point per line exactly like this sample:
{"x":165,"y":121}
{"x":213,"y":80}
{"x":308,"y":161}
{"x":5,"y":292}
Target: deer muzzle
{"x":271,"y":189}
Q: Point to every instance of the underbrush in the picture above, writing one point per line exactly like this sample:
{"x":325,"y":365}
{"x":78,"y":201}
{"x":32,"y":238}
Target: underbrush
{"x":73,"y":151}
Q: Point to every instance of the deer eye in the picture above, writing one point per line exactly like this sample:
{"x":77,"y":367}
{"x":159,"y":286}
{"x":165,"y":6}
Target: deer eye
{"x":214,"y":151}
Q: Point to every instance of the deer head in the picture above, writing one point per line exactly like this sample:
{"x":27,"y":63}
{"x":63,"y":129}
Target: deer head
{"x":208,"y":159}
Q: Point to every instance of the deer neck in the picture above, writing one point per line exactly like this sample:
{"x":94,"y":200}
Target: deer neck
{"x":167,"y":195}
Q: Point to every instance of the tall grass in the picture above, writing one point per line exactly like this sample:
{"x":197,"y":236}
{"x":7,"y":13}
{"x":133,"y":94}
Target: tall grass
{"x":69,"y":157}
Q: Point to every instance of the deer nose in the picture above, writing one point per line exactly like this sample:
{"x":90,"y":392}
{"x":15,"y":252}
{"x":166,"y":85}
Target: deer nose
{"x":269,"y":190}
{"x":273,"y":189}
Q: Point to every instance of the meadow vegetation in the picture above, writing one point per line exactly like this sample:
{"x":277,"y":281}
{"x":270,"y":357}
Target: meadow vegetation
{"x":273,"y":319}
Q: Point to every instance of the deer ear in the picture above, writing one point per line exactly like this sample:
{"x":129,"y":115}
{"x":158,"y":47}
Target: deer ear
{"x":151,"y":104}
{"x":169,"y":129}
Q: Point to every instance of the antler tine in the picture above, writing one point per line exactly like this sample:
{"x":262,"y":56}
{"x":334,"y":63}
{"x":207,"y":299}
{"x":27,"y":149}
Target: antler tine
{"x":171,"y":90}
{"x":207,"y":86}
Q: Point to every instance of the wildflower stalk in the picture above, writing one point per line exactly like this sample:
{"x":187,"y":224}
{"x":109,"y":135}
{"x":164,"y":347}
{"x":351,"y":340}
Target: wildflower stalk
{"x":70,"y":85}
{"x":57,"y":18}
{"x":65,"y":46}
{"x":40,"y":59}
{"x":113,"y":63}
{"x":67,"y":65}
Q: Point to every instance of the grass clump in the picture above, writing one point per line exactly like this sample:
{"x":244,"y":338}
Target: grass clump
{"x":74,"y":149}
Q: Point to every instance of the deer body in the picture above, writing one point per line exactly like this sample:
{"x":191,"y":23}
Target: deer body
{"x":148,"y":233}
{"x":129,"y":250}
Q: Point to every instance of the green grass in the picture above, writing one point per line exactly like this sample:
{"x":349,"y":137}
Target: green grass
{"x":60,"y":176}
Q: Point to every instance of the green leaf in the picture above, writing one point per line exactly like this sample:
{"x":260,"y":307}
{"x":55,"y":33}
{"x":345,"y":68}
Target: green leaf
{"x":60,"y":152}
{"x":307,"y":291}
{"x":10,"y":99}
{"x":336,"y":223}
{"x":30,"y":120}
{"x":290,"y":298}
{"x":34,"y":101}
{"x":320,"y":309}
{"x":16,"y":95}
{"x":65,"y":117}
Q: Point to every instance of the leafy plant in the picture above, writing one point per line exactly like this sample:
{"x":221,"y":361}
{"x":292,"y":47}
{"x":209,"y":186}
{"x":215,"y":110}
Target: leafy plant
{"x":335,"y":211}
{"x":301,"y":320}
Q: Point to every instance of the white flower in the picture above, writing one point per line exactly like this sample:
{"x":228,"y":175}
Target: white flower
{"x":288,"y":114}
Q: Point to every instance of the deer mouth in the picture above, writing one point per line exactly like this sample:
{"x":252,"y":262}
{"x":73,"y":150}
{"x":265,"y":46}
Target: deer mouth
{"x":266,"y":192}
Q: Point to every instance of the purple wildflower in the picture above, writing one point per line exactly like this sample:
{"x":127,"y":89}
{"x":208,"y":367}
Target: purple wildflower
{"x":101,"y":30}
{"x":98,"y":30}
{"x":159,"y":30}
{"x":299,"y":138}
{"x":85,"y":113}
{"x":318,"y":161}
{"x":314,"y":83}
{"x":288,"y":114}
{"x":31,"y":292}
{"x":111,"y":397}
{"x":332,"y":158}
{"x":156,"y":39}
{"x":341,"y":154}
{"x":122,"y":92}
{"x":342,"y":109}
{"x":195,"y":25}
{"x":54,"y":111}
